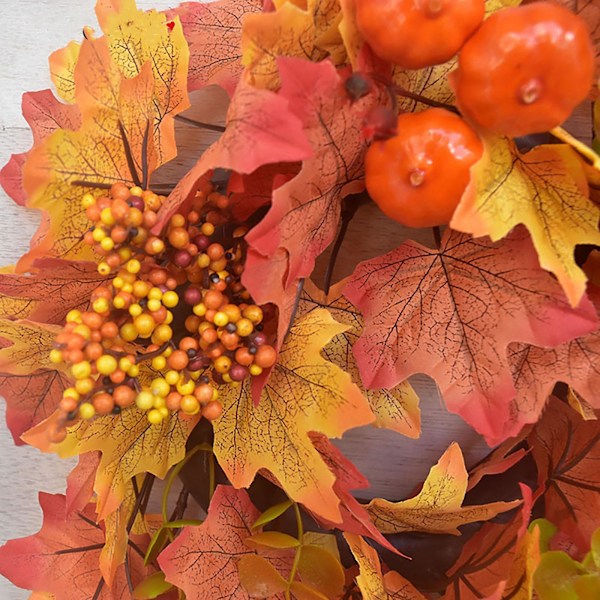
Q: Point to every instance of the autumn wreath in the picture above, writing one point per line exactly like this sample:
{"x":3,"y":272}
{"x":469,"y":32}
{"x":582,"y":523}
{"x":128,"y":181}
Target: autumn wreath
{"x":167,"y":327}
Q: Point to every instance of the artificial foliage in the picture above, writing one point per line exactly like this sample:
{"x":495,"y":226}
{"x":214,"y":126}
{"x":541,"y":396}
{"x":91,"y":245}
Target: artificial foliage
{"x":170,"y":325}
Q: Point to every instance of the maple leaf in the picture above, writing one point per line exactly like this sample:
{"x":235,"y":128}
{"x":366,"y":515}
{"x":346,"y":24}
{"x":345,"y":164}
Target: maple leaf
{"x":129,"y":443}
{"x":498,"y":561}
{"x":213,"y":31}
{"x":536,"y":370}
{"x":545,"y":190}
{"x":260,"y":129}
{"x":202,"y":561}
{"x":44,"y":114}
{"x":62,"y":70}
{"x":305,"y":211}
{"x":437,"y":508}
{"x":305,"y":393}
{"x":452,"y":313}
{"x":129,"y":86}
{"x":566,"y":450}
{"x":396,"y":409}
{"x":80,"y":482}
{"x":47,"y":295}
{"x":371,"y":581}
{"x":65,"y":545}
{"x":291,"y":31}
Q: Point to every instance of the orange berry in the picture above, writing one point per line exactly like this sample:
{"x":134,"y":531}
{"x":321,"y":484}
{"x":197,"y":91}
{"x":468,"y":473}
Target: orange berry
{"x":124,"y":396}
{"x":215,"y":252}
{"x":118,"y":376}
{"x":209,"y":335}
{"x":212,"y":411}
{"x":265,"y":357}
{"x":243,"y":357}
{"x":173,"y":401}
{"x":204,"y":393}
{"x":57,"y":433}
{"x":119,"y":234}
{"x":109,"y":330}
{"x":158,"y":276}
{"x":120,"y":209}
{"x":179,"y":237}
{"x":103,"y":403}
{"x":192,"y":323}
{"x":150,"y":219}
{"x":178,"y":360}
{"x":68,"y":404}
{"x":135,"y":218}
{"x":188,"y":343}
{"x":94,"y":350}
{"x":213,"y":299}
{"x":222,"y":364}
{"x":230,"y":340}
{"x":119,"y":190}
{"x":92,"y":319}
{"x":190,"y":405}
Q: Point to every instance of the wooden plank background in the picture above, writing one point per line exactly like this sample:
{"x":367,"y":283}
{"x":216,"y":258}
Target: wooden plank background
{"x":32,"y":30}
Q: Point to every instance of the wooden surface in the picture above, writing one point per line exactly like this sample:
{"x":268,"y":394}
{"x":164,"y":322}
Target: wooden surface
{"x":34,"y":28}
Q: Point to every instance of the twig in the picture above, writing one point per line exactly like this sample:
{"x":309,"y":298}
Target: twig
{"x":299,"y":290}
{"x":200,"y":124}
{"x":129,"y":156}
{"x":437,"y":236}
{"x":145,"y":167}
{"x":98,"y":589}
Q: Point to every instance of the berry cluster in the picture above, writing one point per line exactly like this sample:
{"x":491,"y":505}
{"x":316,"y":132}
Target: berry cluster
{"x":173,"y":323}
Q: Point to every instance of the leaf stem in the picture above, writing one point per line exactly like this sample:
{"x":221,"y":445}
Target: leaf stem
{"x":211,"y":476}
{"x":200,"y":124}
{"x":564,"y":136}
{"x":129,"y":156}
{"x":299,"y":289}
{"x":437,"y":236}
{"x":404,"y":93}
{"x":300,"y":535}
{"x":145,"y":166}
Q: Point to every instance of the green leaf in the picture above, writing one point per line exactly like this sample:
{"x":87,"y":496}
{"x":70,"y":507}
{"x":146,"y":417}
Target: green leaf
{"x":595,"y":551}
{"x":322,"y":570}
{"x":272,"y":513}
{"x":587,"y":587}
{"x":555,"y":576}
{"x":302,"y":591}
{"x":157,"y":545}
{"x":259,"y":577}
{"x":272,"y":539}
{"x":326,"y":541}
{"x":152,"y":587}
{"x":547,"y":531}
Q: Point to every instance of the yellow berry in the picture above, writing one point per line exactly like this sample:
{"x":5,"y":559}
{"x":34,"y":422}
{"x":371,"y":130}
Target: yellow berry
{"x":144,"y":324}
{"x":98,"y":234}
{"x":144,"y":400}
{"x":203,"y":261}
{"x":73,"y":316}
{"x":133,"y":266}
{"x":119,"y":302}
{"x":195,"y":375}
{"x":159,"y":402}
{"x":71,"y":393}
{"x":160,"y":387}
{"x":222,"y":364}
{"x":136,"y":190}
{"x":125,"y":363}
{"x":107,"y":244}
{"x":127,"y":288}
{"x":215,"y":395}
{"x":133,"y":371}
{"x":106,"y":364}
{"x":172,"y":377}
{"x":199,"y":309}
{"x":56,"y":356}
{"x":100,"y":305}
{"x":159,"y":363}
{"x":155,"y":416}
{"x":135,"y":310}
{"x":87,"y":410}
{"x":163,"y":333}
{"x":169,"y":318}
{"x":107,"y":217}
{"x":255,"y":370}
{"x":227,"y":378}
{"x":84,"y":386}
{"x":87,"y":201}
{"x":170,"y":299}
{"x":164,"y":411}
{"x":190,"y":405}
{"x":186,"y":387}
{"x":155,"y":294}
{"x":104,"y":269}
{"x":168,"y":351}
{"x":81,"y":370}
{"x":154,"y":305}
{"x":128,"y":332}
{"x":118,"y":283}
{"x":207,"y":229}
{"x":220,"y":319}
{"x":125,"y":253}
{"x":140,"y":289}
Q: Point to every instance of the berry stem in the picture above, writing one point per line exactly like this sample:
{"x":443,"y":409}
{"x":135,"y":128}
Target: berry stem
{"x":145,"y":169}
{"x":404,"y":93}
{"x":564,"y":136}
{"x":200,"y":124}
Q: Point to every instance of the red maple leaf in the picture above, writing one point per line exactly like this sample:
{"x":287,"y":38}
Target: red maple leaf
{"x":566,"y":450}
{"x":45,"y":114}
{"x":452,"y":313}
{"x":63,"y":557}
{"x":80,"y":482}
{"x":305,"y":212}
{"x":536,"y":370}
{"x":202,"y":561}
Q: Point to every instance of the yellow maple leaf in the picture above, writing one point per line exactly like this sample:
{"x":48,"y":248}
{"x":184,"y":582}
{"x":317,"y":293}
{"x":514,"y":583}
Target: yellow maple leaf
{"x":396,"y":409}
{"x":129,"y":444}
{"x":438,"y":506}
{"x":129,"y":85}
{"x":62,"y":70}
{"x":305,"y":393}
{"x":30,"y":348}
{"x":371,"y":581}
{"x":294,"y":29}
{"x":545,"y":190}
